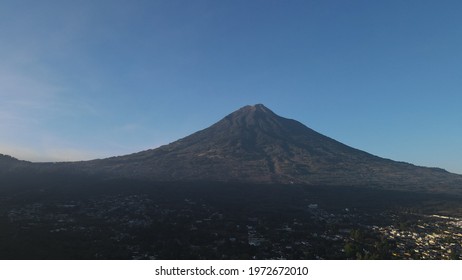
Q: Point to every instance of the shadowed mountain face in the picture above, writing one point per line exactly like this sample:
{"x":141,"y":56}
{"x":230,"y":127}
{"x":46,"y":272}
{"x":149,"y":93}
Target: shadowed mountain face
{"x":255,"y":145}
{"x":251,"y":144}
{"x":8,"y":164}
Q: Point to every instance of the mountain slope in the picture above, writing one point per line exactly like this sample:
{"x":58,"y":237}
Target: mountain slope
{"x":253,"y":144}
{"x":9,"y":164}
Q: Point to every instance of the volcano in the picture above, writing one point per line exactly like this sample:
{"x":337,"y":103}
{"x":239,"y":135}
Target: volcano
{"x":251,"y":145}
{"x":254,"y":145}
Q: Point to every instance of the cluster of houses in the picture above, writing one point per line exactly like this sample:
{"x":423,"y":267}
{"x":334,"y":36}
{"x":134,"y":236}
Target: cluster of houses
{"x":432,"y":237}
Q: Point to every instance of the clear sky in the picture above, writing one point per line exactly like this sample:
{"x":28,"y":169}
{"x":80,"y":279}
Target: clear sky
{"x":91,"y":79}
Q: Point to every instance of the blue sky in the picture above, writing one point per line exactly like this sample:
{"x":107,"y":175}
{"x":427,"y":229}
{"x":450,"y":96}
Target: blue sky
{"x":91,"y":79}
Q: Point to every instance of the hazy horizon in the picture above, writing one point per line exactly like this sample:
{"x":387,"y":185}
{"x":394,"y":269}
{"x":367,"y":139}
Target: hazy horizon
{"x":85,"y":80}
